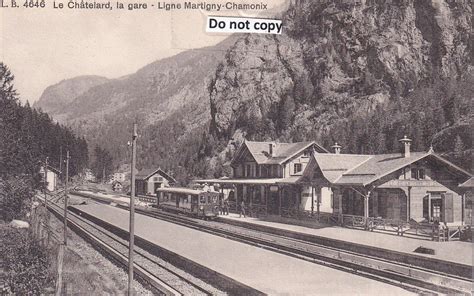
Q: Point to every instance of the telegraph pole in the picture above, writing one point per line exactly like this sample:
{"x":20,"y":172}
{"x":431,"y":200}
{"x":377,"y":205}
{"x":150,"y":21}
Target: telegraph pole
{"x":61,"y":161}
{"x":45,"y":183}
{"x":132,"y":212}
{"x":66,"y":197}
{"x":46,"y":194}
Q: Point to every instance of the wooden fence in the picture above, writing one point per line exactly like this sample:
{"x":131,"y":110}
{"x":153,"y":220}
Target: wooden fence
{"x":398,"y":227}
{"x":47,"y":237}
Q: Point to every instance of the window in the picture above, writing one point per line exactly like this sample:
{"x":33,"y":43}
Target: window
{"x":273,"y":171}
{"x":298,"y":167}
{"x":417,"y":174}
{"x":307,"y":153}
{"x":247,"y":171}
{"x":155,"y":178}
{"x":263,"y":171}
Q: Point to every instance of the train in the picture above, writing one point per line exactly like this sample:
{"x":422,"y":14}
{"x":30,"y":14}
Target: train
{"x":197,"y":203}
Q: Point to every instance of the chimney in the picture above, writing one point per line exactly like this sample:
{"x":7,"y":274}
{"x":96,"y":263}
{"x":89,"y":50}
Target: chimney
{"x":271,"y":149}
{"x":407,"y":143}
{"x":337,"y":148}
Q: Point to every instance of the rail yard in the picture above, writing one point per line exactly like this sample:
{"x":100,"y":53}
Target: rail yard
{"x":230,"y":259}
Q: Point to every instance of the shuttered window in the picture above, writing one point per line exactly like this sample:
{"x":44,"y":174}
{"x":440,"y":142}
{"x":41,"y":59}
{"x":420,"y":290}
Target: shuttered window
{"x":448,"y":207}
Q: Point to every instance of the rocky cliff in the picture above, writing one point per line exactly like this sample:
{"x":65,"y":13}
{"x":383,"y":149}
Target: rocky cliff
{"x":337,"y":59}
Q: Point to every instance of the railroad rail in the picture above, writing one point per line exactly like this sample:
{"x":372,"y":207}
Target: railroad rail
{"x":413,"y":278}
{"x":161,"y":278}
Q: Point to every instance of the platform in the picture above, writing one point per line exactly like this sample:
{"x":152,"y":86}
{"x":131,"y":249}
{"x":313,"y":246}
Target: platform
{"x":452,"y":251}
{"x":269,"y":272}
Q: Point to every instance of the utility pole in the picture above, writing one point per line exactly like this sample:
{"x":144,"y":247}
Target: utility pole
{"x":46,"y":195}
{"x":61,"y":161}
{"x":46,"y":183}
{"x":66,"y":198}
{"x":132,"y":212}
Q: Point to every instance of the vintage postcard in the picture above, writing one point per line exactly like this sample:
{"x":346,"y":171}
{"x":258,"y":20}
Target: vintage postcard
{"x":242,"y":147}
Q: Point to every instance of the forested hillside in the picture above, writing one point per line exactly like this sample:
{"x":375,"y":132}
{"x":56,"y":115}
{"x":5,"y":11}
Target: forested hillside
{"x":28,"y":136}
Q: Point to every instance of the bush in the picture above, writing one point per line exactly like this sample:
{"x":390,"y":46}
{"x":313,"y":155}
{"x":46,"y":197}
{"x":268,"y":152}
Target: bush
{"x":16,"y":194}
{"x":25,"y":262}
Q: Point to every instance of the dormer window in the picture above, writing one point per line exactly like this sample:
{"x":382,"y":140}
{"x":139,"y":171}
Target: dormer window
{"x":417,"y":174}
{"x":298,"y":167}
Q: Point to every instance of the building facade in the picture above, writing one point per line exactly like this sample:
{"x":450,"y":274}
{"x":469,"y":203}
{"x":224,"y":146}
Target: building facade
{"x":418,"y":186}
{"x":264,"y":172}
{"x":118,"y":177}
{"x":304,"y":179}
{"x":148,"y":180}
{"x":50,"y":176}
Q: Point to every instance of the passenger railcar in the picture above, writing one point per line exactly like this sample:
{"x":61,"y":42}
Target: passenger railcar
{"x":202,"y":204}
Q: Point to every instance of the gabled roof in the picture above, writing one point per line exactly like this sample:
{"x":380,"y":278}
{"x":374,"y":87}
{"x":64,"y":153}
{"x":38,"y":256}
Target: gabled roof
{"x":334,"y":165}
{"x":378,"y":166}
{"x":50,"y":168}
{"x":147,"y":173}
{"x":468,"y":184}
{"x":282,"y":151}
{"x":356,"y":169}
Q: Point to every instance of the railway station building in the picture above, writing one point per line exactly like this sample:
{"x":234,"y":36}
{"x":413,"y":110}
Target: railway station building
{"x":266,"y":176}
{"x":304,"y":180}
{"x":418,"y":186}
{"x":148,"y":180}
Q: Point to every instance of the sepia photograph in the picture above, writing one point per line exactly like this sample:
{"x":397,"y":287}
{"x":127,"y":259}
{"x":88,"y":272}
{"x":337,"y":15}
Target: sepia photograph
{"x":245,"y":147}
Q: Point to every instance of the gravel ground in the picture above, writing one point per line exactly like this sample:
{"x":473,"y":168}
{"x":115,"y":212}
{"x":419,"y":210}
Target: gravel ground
{"x":88,"y":272}
{"x":152,"y":262}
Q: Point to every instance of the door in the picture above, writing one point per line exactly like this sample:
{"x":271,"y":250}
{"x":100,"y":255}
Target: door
{"x":194,"y":203}
{"x":156,"y":186}
{"x":273,"y":203}
{"x":436,"y":207}
{"x":393,"y":206}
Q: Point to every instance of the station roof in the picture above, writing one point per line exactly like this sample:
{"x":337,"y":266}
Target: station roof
{"x":356,"y":169}
{"x":281,"y":153}
{"x":468,"y":184}
{"x":263,"y":181}
{"x":51,"y":168}
{"x":147,"y":173}
{"x":239,"y":181}
{"x":179,"y":190}
{"x":334,"y":165}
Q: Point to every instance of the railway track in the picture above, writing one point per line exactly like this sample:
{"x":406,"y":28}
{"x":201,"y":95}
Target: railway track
{"x":412,"y":278}
{"x":162,"y":278}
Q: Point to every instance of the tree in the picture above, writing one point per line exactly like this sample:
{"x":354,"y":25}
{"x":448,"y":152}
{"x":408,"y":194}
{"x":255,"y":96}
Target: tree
{"x":103,"y":164}
{"x":458,"y":147}
{"x":28,"y":136}
{"x":16,"y":194}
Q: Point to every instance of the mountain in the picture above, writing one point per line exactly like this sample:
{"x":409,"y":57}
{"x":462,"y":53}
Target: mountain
{"x":168,"y":98}
{"x":362,"y":73}
{"x":58,"y":96}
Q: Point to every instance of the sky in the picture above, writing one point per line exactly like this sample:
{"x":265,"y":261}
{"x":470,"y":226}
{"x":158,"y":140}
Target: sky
{"x":43,"y":46}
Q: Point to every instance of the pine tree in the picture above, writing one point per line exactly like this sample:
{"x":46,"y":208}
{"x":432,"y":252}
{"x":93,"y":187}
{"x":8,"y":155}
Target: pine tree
{"x":458,"y":147}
